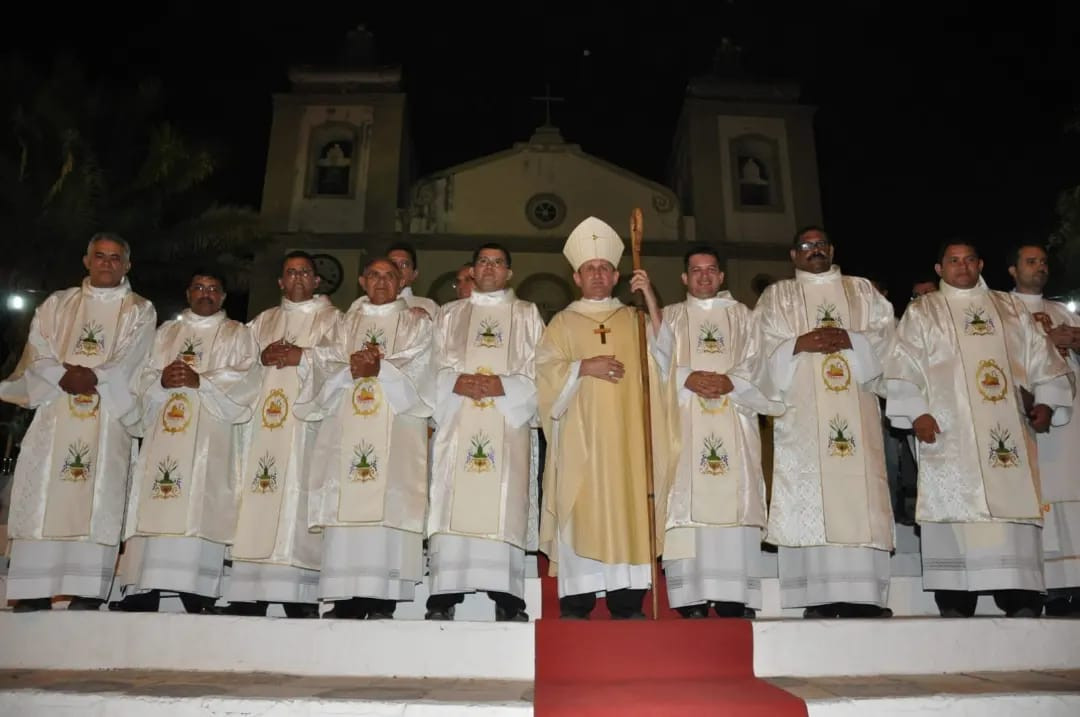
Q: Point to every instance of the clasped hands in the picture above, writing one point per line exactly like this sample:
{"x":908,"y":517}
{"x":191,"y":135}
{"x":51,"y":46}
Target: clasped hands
{"x":281,"y":354}
{"x":78,"y":380}
{"x":179,"y":375}
{"x":823,"y":341}
{"x":478,"y":386}
{"x":365,"y":362}
{"x":708,"y":384}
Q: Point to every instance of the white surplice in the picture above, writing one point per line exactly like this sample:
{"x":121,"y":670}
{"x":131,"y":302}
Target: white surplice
{"x":484,"y":501}
{"x":714,"y":503}
{"x":1059,"y":464}
{"x":421,"y":302}
{"x":830,"y":490}
{"x":72,"y":474}
{"x":275,"y":557}
{"x":961,"y":356}
{"x":187,"y":479}
{"x":369,"y":486}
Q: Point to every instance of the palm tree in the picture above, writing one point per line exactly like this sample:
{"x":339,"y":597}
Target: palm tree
{"x":78,"y":157}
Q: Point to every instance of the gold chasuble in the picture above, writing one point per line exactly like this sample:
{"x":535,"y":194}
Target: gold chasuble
{"x":595,"y":480}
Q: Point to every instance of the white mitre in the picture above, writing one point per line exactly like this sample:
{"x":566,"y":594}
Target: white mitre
{"x":593,"y":239}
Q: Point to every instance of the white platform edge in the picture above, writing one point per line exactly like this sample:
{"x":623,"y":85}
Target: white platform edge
{"x":60,"y":640}
{"x":33,"y":703}
{"x":913,"y":646}
{"x":1041,"y":704}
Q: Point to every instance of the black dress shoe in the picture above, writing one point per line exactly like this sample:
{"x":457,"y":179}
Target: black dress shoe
{"x":693,"y":612}
{"x":729,"y":609}
{"x":85,"y":603}
{"x":504,"y":615}
{"x":816,"y":612}
{"x":197,"y":604}
{"x":33,"y":605}
{"x":138,"y":602}
{"x":1058,"y":607}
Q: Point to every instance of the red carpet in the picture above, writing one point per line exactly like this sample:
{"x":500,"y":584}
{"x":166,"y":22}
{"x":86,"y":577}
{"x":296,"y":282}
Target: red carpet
{"x":626,"y":668}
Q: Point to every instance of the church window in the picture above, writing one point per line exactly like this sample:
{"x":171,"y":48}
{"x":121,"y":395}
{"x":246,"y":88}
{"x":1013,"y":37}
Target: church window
{"x":756,"y":173}
{"x":545,"y":211}
{"x":332,"y":158}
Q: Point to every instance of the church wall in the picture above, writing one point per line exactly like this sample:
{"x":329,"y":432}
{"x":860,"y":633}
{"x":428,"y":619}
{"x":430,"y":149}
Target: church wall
{"x":746,"y":278}
{"x":774,"y":224}
{"x":291,"y":197}
{"x":281,"y":164}
{"x":491,"y":198}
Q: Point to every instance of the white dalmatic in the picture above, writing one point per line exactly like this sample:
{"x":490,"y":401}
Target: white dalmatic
{"x":482,"y":469}
{"x":961,"y":356}
{"x":272,"y":522}
{"x":186,"y":479}
{"x":1059,"y":458}
{"x":829,"y":481}
{"x":372,"y":445}
{"x":713,"y":505}
{"x":718,"y":480}
{"x":72,"y":474}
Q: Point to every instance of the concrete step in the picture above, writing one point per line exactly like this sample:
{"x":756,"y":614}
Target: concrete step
{"x":1051,"y":693}
{"x":137,"y":693}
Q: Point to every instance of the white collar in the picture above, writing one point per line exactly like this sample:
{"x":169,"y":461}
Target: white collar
{"x":311,"y":305}
{"x":365,"y":307}
{"x":833,"y":274}
{"x":106,"y":293}
{"x":406,"y":293}
{"x":951,"y":291}
{"x":1032,"y":301}
{"x":190,"y":318}
{"x":592,"y":306}
{"x":721,"y":300}
{"x":491,"y":298}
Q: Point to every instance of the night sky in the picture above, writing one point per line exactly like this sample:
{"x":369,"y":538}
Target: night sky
{"x":930,"y":123}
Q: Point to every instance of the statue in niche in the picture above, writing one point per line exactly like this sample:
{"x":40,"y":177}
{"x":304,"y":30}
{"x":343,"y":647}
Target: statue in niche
{"x":754,"y":185}
{"x":333,"y":168}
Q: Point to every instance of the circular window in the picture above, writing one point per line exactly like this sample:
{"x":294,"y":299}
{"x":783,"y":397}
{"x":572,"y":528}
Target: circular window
{"x":545,"y":211}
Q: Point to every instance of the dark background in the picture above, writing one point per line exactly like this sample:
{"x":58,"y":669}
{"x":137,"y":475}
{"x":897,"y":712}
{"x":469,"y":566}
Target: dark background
{"x":933,"y":119}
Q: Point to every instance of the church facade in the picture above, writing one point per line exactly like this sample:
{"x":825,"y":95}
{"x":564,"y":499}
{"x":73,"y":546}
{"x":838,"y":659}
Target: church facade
{"x":743,"y":177}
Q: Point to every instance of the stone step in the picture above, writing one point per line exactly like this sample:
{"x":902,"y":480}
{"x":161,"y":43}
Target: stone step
{"x":135,"y":693}
{"x":1050,"y":693}
{"x":65,"y":640}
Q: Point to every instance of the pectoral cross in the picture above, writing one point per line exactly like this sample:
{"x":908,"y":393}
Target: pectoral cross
{"x":603,"y":332}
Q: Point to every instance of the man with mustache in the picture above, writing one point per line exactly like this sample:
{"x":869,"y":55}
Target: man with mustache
{"x":67,"y":505}
{"x":825,"y":337}
{"x":485,"y":351}
{"x":372,"y":384}
{"x":198,"y":387}
{"x":714,"y":500}
{"x":275,"y":557}
{"x":594,"y":523}
{"x":1059,"y":448}
{"x":961,"y":355}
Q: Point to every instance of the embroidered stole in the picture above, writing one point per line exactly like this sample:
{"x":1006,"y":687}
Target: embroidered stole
{"x":477,"y":502}
{"x":165,"y":481}
{"x":90,"y":340}
{"x":270,"y":451}
{"x":839,"y":422}
{"x":995,"y":408}
{"x":366,"y":420}
{"x":715,"y":459}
